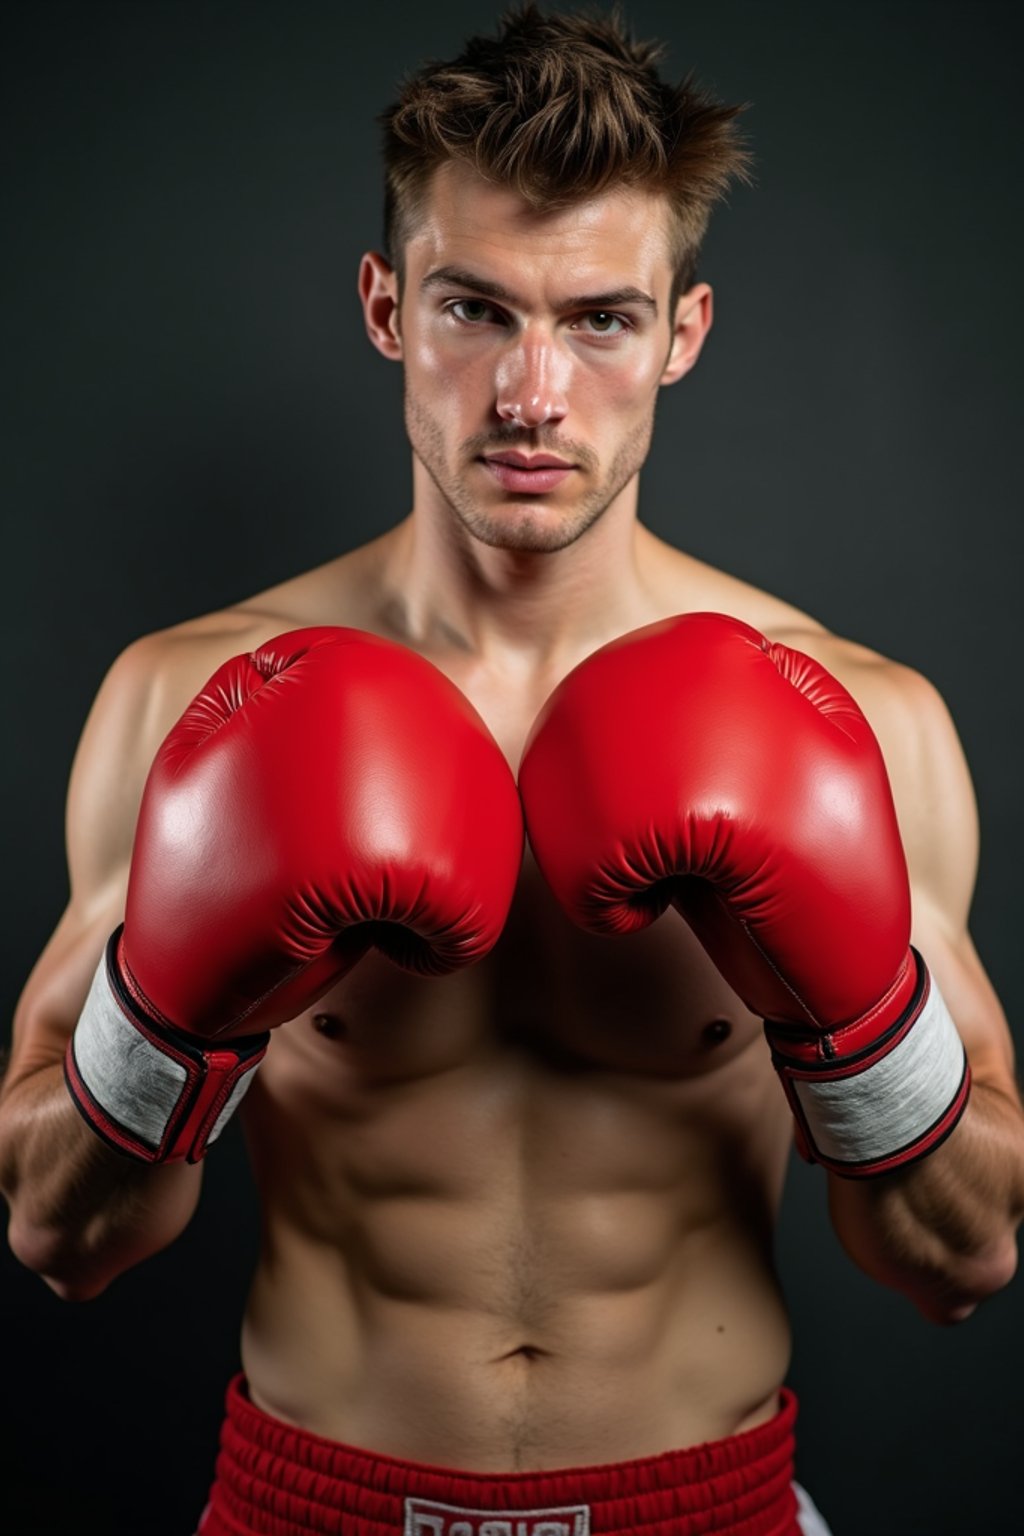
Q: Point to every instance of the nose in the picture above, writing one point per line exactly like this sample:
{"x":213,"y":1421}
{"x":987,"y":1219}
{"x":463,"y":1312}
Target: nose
{"x":532,"y":381}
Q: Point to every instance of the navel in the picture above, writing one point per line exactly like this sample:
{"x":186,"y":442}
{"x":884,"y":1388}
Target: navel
{"x":527,"y":1352}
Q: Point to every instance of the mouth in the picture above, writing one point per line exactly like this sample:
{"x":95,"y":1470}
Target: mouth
{"x":528,"y":460}
{"x":521,"y":472}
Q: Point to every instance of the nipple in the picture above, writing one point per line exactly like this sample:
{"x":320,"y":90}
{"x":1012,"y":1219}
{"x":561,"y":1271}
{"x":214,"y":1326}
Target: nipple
{"x":330,"y":1026}
{"x":716,"y":1032}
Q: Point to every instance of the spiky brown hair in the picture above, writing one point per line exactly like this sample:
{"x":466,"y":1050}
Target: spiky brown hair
{"x":560,"y":108}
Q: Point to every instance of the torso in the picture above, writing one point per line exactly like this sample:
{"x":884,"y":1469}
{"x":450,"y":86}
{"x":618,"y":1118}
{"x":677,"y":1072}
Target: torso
{"x":521,"y":1216}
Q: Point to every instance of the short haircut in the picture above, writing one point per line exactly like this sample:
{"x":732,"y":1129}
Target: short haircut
{"x":560,"y":108}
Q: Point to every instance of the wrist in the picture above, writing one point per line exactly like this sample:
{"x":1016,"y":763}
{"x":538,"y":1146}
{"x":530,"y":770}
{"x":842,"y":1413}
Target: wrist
{"x":879,"y":1092}
{"x":151,"y":1091}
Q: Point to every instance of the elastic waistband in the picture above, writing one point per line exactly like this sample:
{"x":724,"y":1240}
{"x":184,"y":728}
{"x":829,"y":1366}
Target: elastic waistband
{"x":273,"y":1479}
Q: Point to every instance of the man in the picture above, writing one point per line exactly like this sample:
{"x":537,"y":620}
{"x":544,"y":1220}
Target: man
{"x":517,"y":1216}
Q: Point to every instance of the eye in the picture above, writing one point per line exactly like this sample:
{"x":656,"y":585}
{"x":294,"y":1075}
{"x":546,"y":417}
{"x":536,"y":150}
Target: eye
{"x":474,"y":306}
{"x":601,"y":319}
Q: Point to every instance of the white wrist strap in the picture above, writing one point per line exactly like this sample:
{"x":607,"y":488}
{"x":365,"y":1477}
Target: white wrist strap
{"x":886,"y":1105}
{"x":152,"y":1091}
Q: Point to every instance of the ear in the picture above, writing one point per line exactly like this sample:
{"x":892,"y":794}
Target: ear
{"x":378,"y":290}
{"x":693,"y":317}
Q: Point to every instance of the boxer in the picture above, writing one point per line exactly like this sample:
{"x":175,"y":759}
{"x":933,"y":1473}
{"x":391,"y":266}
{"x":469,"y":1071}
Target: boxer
{"x":519,"y":1074}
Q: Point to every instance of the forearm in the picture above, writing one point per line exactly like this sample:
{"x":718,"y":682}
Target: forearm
{"x":942,"y":1230}
{"x":81,"y":1213}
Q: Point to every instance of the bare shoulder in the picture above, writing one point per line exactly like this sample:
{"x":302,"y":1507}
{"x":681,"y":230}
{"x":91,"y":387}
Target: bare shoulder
{"x":894,"y":697}
{"x":156,"y":675}
{"x":172,"y":664}
{"x":680,"y":583}
{"x":144,"y":691}
{"x":930,"y":780}
{"x":873,"y":679}
{"x":928,"y":772}
{"x":344,"y":590}
{"x":906,"y":711}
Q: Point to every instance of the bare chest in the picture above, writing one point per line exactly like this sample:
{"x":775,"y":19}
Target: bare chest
{"x":648,"y":1004}
{"x":553,"y":998}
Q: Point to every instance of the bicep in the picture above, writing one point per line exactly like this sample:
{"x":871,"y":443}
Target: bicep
{"x":104,"y":792}
{"x":969,"y":994}
{"x":938,"y":818}
{"x":117,"y":745}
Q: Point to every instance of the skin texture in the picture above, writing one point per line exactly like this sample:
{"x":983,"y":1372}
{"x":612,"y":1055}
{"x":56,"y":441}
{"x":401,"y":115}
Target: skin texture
{"x":520,"y":1216}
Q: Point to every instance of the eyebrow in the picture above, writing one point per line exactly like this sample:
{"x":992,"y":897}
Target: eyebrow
{"x":459,"y":277}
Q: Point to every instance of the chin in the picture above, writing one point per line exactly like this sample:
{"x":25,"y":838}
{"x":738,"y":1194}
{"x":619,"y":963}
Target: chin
{"x":526,"y":528}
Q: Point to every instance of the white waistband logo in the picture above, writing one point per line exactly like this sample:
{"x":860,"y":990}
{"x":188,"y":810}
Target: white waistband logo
{"x":425,"y":1518}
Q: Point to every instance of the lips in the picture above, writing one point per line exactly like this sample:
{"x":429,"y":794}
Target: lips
{"x":539,"y":477}
{"x":529,"y":461}
{"x":529,"y":474}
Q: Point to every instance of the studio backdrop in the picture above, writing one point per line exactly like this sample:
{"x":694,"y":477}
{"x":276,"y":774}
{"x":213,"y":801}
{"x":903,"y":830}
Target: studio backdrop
{"x":192,"y":413}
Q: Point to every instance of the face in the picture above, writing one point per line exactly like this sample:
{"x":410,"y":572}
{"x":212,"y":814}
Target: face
{"x":534,"y":346}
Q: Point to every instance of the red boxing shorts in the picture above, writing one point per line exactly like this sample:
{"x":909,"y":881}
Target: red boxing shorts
{"x":275,"y":1480}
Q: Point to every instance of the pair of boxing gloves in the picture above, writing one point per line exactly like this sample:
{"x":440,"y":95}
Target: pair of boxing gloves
{"x":334,"y":791}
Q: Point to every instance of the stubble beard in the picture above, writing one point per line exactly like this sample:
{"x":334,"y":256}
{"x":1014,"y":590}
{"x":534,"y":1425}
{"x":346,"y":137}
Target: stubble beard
{"x":530,"y":532}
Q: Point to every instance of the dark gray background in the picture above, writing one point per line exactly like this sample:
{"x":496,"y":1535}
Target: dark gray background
{"x":191,"y":412}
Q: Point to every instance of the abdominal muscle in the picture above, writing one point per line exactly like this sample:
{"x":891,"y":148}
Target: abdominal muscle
{"x":511,"y":1224}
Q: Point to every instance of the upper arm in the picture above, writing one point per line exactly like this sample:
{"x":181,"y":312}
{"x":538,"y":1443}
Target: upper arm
{"x":938,"y":818}
{"x":118,"y":742}
{"x":143,"y":694}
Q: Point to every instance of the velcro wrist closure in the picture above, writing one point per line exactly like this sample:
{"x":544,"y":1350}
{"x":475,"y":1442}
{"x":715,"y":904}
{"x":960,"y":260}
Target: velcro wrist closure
{"x":151,"y":1091}
{"x":889,"y":1101}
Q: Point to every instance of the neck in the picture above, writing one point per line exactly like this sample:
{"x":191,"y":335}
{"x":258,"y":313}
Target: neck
{"x":445,"y":589}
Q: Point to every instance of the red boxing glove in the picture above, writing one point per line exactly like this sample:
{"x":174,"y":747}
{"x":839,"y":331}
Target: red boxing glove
{"x":328,"y":792}
{"x":693,"y":762}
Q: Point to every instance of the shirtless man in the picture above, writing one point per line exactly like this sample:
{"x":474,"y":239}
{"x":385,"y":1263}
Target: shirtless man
{"x":517,"y":1217}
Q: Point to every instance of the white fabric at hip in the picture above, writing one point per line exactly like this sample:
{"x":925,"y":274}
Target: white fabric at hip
{"x":808,"y":1515}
